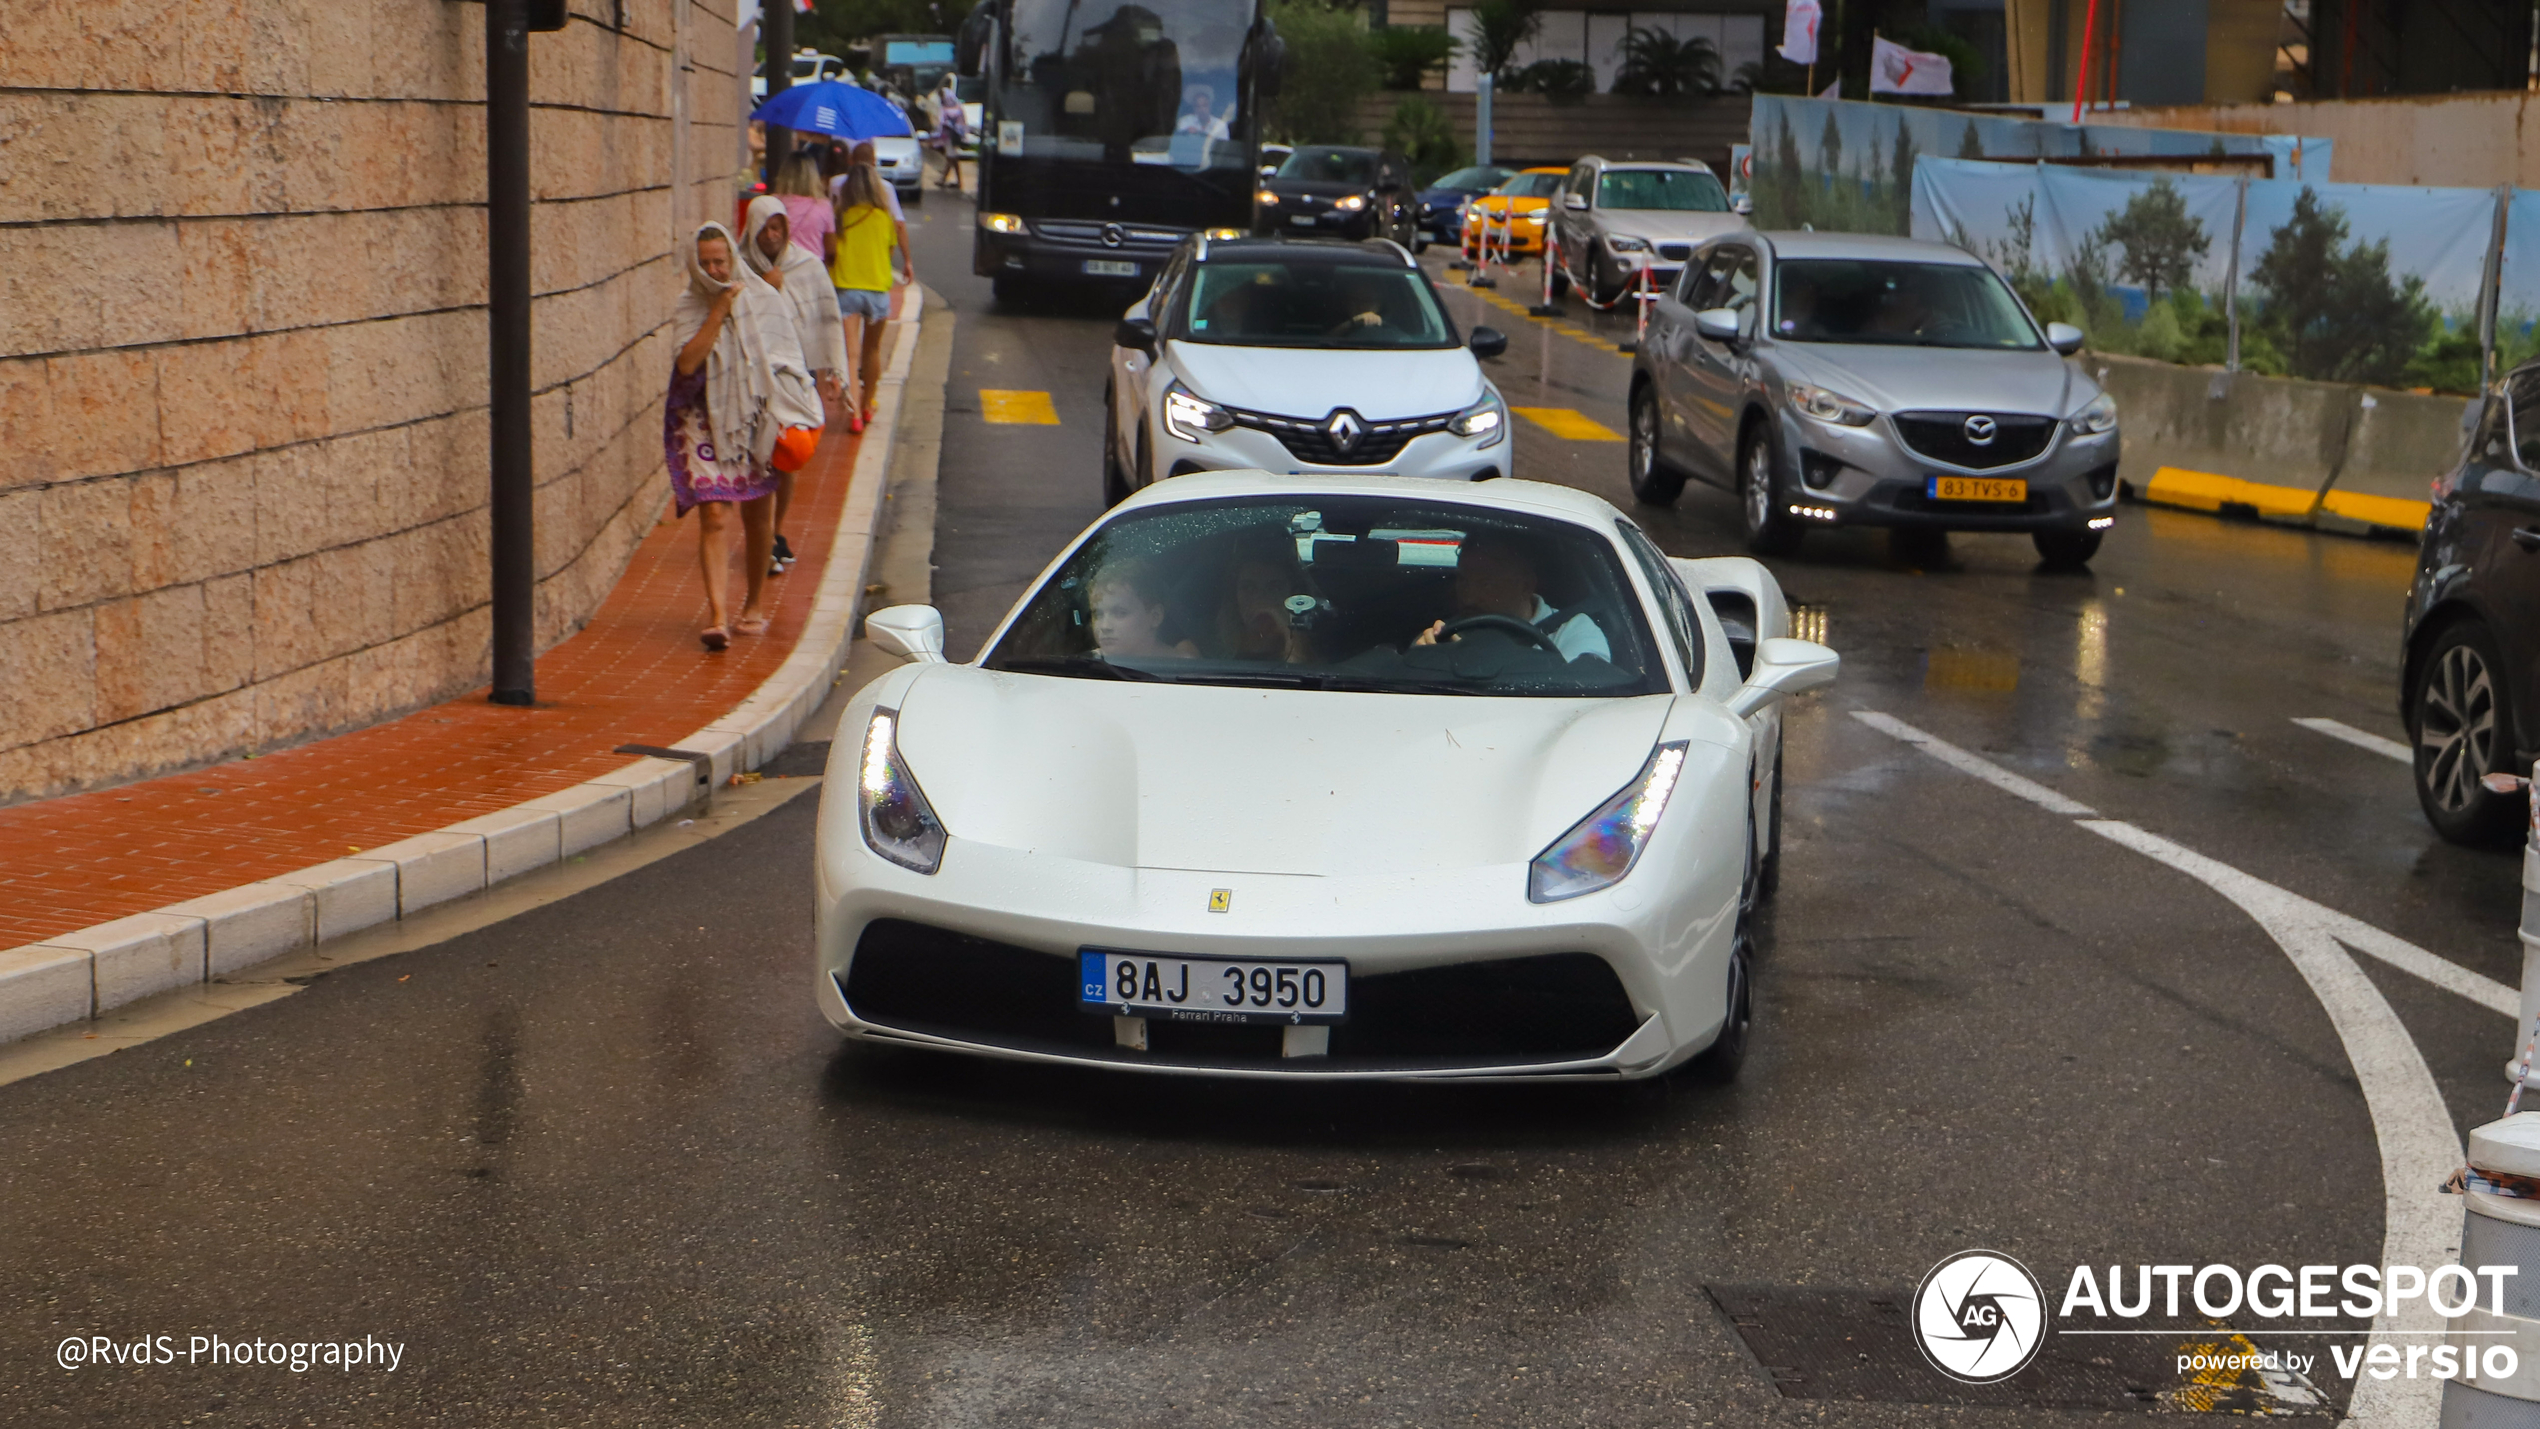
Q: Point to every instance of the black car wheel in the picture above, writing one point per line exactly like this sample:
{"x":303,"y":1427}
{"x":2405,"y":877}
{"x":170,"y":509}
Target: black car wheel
{"x":1770,"y":531}
{"x":1146,"y":459}
{"x":1654,"y":482}
{"x":2066,"y":550}
{"x":1768,"y":874}
{"x":1721,"y":1061}
{"x":1115,"y":482}
{"x":2462,"y":717}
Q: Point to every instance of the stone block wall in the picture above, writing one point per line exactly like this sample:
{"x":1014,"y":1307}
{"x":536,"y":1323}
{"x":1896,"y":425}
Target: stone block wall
{"x":243,"y":429}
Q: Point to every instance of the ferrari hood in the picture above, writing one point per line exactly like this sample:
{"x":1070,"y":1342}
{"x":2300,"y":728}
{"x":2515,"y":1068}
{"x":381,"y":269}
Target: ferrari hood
{"x":1262,"y":781}
{"x":1313,"y":382}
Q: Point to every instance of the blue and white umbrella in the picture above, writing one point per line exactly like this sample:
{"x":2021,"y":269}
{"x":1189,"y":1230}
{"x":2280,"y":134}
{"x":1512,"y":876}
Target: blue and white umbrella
{"x":829,"y":107}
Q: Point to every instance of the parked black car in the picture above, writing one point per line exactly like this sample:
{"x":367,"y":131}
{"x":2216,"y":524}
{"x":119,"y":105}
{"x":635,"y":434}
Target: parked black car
{"x":2471,"y":654}
{"x":1442,"y":203}
{"x":1340,"y":191}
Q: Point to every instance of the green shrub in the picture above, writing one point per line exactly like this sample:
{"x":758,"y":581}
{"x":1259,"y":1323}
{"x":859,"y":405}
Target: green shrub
{"x":1406,"y":53}
{"x":1330,"y":68}
{"x":1561,"y":81}
{"x":1421,"y":132}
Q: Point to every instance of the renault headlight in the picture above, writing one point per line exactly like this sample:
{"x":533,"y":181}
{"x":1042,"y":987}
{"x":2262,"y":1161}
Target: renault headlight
{"x":1485,"y":419}
{"x":1828,"y":406}
{"x":1625,"y":243}
{"x":2097,"y":417}
{"x":898,"y":822}
{"x":1189,"y":416}
{"x":1350,"y":203}
{"x":1601,"y":848}
{"x":1001,"y":222}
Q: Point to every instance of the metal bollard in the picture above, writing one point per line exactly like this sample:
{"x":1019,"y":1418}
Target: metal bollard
{"x":2499,"y":1230}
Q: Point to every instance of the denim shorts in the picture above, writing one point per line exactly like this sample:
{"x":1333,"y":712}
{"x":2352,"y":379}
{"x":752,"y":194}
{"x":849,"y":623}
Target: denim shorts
{"x":867,"y":303}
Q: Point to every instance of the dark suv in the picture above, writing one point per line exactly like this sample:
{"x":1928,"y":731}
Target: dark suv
{"x":2471,"y":691}
{"x":1339,"y":191}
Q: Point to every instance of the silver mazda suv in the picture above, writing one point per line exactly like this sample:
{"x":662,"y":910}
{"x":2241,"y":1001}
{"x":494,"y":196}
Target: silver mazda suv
{"x":1854,"y":380}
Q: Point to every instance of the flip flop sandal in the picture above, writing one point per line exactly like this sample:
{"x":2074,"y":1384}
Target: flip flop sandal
{"x":751,"y":625}
{"x":714,"y":637}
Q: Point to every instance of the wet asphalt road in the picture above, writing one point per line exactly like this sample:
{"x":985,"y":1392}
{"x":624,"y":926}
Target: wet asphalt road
{"x":604,"y":1164}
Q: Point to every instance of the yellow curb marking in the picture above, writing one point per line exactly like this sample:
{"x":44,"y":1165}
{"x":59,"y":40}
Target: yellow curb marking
{"x":2394,"y":511}
{"x":1569,"y":424}
{"x":2206,"y":491}
{"x":1024,"y":409}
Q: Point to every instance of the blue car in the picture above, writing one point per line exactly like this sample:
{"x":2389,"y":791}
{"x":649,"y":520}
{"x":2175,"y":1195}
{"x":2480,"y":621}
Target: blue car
{"x":1442,"y":203}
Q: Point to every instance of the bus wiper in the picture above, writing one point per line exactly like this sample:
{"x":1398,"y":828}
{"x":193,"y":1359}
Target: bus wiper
{"x":1091,"y":667}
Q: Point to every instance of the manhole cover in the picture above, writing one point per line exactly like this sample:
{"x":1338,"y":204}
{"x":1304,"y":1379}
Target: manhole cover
{"x":1855,"y":1344}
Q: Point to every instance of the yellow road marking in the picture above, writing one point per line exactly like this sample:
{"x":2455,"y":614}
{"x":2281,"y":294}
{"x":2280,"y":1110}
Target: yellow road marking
{"x":1566,"y":329}
{"x":1568,"y":424}
{"x":1027,"y":409}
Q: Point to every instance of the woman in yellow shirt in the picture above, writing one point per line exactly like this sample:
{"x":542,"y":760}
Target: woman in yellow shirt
{"x":869,"y":227}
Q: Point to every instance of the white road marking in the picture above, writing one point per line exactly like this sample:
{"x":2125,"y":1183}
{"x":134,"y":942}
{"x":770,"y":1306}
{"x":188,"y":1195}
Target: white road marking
{"x":1982,"y":768}
{"x":2386,"y":748}
{"x":2411,"y":1123}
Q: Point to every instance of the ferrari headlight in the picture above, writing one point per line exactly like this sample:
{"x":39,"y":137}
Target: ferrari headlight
{"x":1001,"y":222}
{"x":1268,"y":198}
{"x":898,"y":822}
{"x":1624,"y":243}
{"x":1828,"y":406}
{"x":1601,"y":848}
{"x":2099,"y":416}
{"x":1350,"y":203}
{"x":1191,"y":417}
{"x":1483,"y":419}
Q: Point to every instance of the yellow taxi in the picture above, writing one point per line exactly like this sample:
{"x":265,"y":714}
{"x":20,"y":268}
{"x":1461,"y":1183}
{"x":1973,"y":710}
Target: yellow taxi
{"x":1526,"y":199}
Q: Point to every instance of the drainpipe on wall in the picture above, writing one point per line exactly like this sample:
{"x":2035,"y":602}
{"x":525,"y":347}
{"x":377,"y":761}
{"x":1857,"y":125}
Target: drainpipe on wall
{"x":514,"y":497}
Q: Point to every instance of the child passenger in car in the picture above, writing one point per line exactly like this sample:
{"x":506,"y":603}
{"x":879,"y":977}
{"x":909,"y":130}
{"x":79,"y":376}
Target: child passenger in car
{"x":1128,"y":615}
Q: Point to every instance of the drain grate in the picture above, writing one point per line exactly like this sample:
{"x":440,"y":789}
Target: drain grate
{"x":1856,"y":1345}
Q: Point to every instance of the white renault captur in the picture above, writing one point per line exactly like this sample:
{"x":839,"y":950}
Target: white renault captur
{"x":1297,"y":356}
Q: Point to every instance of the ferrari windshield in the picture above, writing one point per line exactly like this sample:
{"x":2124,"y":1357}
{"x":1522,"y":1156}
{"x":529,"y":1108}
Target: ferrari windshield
{"x":1355,"y":593}
{"x":1902,"y":303}
{"x":1312,"y":302}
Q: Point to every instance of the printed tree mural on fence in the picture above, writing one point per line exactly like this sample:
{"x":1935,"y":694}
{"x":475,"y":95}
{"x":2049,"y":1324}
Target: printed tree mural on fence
{"x":2331,"y":306}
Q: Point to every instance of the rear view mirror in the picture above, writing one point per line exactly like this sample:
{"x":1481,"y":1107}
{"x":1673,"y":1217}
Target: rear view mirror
{"x":1576,"y":203}
{"x":2065,"y":338}
{"x":912,"y":632}
{"x":1784,"y":668}
{"x":1742,"y":205}
{"x":1137,"y":334}
{"x":1719,"y":324}
{"x":1487,"y":342}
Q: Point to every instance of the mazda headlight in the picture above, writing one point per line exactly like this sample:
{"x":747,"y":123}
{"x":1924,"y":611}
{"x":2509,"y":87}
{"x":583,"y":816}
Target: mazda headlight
{"x":1625,"y":243}
{"x":1350,"y":203}
{"x":1189,"y":416}
{"x":1601,"y":848}
{"x":1828,"y":406}
{"x":898,"y":822}
{"x":2099,"y":416}
{"x":1001,"y":222}
{"x":1268,"y":198}
{"x":1485,"y":419}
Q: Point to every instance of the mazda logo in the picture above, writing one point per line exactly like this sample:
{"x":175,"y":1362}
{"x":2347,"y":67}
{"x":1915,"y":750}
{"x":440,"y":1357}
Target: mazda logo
{"x":1344,"y":429}
{"x":1981,"y":430}
{"x":1112,"y":236}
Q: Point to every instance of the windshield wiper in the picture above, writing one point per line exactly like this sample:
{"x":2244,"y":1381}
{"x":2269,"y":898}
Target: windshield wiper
{"x":1091,"y":667}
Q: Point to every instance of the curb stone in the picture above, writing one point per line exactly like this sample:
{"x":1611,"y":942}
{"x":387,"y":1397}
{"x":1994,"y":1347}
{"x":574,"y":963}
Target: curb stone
{"x":80,"y":975}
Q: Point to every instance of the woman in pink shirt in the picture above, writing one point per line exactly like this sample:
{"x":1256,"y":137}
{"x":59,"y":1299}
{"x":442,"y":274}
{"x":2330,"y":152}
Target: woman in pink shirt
{"x":807,"y":211}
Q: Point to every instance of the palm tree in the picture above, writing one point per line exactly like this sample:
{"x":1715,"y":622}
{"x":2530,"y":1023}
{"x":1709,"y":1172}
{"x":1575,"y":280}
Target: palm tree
{"x":1499,"y":27}
{"x":1658,"y":63}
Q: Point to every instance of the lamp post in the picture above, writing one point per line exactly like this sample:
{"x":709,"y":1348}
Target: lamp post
{"x":776,"y":36}
{"x":514,"y":494}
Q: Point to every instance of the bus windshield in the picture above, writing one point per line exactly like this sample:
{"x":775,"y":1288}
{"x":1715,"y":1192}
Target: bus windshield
{"x":1149,"y":82}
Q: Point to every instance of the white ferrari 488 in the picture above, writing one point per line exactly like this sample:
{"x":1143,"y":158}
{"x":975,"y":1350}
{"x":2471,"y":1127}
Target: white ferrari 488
{"x":1322,"y":777}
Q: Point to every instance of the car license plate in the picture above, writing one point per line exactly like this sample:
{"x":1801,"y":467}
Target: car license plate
{"x":1110,"y":268}
{"x":1284,"y":991}
{"x":1301,"y":220}
{"x":1975,"y":488}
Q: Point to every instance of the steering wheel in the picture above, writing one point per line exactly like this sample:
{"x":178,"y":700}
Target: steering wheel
{"x":1508,"y":623}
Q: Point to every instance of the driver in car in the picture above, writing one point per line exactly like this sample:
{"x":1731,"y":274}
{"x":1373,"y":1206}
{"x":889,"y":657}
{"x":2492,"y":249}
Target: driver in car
{"x":1363,"y":298}
{"x":1495,"y":575}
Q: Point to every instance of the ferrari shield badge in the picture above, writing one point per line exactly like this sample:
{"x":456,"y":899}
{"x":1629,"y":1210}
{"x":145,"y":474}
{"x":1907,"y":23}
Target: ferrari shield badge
{"x":1220,"y":899}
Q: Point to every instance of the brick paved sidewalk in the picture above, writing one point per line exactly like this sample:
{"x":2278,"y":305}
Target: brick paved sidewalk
{"x":635,"y":674}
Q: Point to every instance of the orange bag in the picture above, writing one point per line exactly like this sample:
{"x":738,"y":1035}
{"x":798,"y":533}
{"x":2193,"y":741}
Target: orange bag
{"x":794,"y":448}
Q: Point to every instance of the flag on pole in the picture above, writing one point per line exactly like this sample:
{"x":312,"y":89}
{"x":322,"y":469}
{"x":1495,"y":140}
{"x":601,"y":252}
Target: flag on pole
{"x":1895,"y":69}
{"x":1799,"y":32}
{"x":1832,"y":91}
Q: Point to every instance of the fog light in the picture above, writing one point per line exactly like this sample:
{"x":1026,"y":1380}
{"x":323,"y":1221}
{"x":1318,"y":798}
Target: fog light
{"x":2103,"y":482}
{"x":2102,"y":523}
{"x":1818,"y":470}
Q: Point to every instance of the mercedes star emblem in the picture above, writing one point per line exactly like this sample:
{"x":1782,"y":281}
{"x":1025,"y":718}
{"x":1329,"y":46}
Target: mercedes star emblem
{"x":1982,"y":429}
{"x":1344,"y":430}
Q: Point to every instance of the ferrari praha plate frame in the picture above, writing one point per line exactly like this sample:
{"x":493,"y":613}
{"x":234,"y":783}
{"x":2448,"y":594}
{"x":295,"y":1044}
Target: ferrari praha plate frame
{"x":1293,"y":992}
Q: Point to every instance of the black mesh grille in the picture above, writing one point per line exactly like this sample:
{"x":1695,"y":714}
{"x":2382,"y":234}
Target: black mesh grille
{"x":1942,"y":436}
{"x":1675,"y":252}
{"x":1555,"y":1007}
{"x":1310,"y":440}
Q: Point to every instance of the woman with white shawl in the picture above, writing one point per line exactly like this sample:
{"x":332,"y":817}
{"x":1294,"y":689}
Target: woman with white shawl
{"x":802,"y":280}
{"x":737,"y":384}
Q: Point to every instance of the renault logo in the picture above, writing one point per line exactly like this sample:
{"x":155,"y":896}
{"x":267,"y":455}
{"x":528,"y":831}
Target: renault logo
{"x":1344,"y":429}
{"x":1112,"y":236}
{"x":1982,"y":429}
